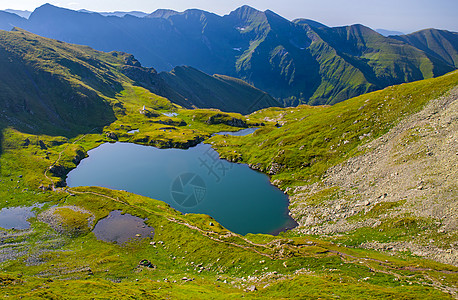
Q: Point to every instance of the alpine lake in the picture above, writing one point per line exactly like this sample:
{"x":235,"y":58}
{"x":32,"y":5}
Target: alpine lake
{"x":195,"y":180}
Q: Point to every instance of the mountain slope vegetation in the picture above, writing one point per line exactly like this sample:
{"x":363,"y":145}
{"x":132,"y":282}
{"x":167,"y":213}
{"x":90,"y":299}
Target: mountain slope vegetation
{"x":52,"y":87}
{"x":224,"y":92}
{"x":381,"y":162}
{"x":297,"y":62}
{"x":441,"y":44}
{"x":391,"y":234}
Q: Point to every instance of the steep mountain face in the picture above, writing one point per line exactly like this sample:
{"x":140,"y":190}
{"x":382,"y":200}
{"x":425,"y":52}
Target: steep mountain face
{"x":301,"y":61}
{"x":441,"y":44}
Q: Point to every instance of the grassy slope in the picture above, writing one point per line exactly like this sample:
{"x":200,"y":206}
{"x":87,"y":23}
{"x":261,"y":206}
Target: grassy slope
{"x":51,"y":87}
{"x":312,"y":139}
{"x":226,"y":93}
{"x":50,"y":264}
{"x":84,"y":267}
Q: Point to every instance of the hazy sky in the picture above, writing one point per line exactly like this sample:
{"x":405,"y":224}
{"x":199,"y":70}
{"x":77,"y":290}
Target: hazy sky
{"x":402,"y":15}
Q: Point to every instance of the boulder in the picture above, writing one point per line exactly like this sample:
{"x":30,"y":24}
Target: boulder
{"x":112,"y":135}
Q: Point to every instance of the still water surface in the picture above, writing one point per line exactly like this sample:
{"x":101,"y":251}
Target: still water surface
{"x":192,"y":181}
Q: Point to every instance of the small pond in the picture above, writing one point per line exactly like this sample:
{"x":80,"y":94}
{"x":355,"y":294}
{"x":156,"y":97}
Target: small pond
{"x":134,"y":131}
{"x":120,"y":228}
{"x":242,"y":132}
{"x":191,"y":181}
{"x":16,"y":217}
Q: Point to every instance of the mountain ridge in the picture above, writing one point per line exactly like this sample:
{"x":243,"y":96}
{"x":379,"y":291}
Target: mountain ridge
{"x":58,"y":88}
{"x":299,"y":61}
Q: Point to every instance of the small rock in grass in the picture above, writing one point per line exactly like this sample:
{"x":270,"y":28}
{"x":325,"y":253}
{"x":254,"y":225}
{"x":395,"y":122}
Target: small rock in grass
{"x":251,"y":288}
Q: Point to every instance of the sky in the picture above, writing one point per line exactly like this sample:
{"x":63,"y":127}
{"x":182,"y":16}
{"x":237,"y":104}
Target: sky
{"x":401,"y":15}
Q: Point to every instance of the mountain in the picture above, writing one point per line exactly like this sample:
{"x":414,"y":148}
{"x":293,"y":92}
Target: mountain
{"x":120,"y":14}
{"x":9,"y":20}
{"x":53,"y":87}
{"x":192,"y":88}
{"x":371,"y":182}
{"x":22,"y":13}
{"x":299,"y":61}
{"x":440,"y":44}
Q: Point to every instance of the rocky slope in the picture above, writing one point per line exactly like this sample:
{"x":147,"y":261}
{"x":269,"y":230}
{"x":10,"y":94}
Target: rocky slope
{"x":411,"y":171}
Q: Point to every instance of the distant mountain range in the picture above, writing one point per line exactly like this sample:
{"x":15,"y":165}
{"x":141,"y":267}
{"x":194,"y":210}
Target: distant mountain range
{"x":21,"y":13}
{"x":300,"y":61}
{"x":386,"y":32}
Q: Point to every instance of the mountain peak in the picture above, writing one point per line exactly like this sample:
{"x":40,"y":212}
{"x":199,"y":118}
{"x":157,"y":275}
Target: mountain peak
{"x":47,"y":6}
{"x":245,"y":11}
{"x":311,"y":23}
{"x":49,"y":9}
{"x":162,"y":13}
{"x":247,"y":14}
{"x":247,"y":8}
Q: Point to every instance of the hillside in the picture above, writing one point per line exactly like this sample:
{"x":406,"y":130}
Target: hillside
{"x":371,"y":181}
{"x":300,"y":61}
{"x":8,"y":20}
{"x":376,"y":171}
{"x":192,"y":256}
{"x":223,"y":92}
{"x":55,"y":88}
{"x":52,"y":87}
{"x":441,"y":44}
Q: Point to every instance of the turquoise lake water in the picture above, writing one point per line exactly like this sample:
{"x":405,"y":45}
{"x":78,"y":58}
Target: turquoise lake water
{"x":191,"y":181}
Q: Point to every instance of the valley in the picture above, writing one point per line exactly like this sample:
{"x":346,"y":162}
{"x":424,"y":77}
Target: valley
{"x":370,"y":181}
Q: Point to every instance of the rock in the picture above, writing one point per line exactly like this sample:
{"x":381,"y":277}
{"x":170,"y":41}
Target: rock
{"x":44,"y":187}
{"x":211,"y":224}
{"x":146,"y":263}
{"x":187,"y":279}
{"x":251,"y":288}
{"x":275,"y":168}
{"x":226,"y":119}
{"x":149,"y":114}
{"x":112,"y":135}
{"x":80,"y":154}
